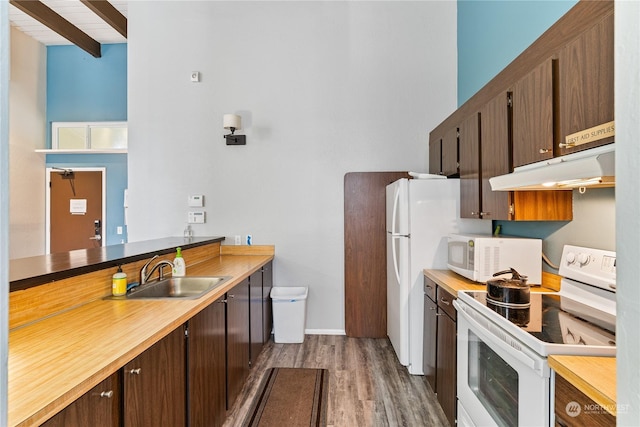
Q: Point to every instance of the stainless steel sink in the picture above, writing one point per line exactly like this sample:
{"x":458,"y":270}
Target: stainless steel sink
{"x":178,"y":287}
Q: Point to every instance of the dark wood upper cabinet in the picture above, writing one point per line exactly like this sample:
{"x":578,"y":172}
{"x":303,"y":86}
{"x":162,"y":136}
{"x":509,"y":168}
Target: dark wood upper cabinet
{"x":533,"y":113}
{"x":495,"y":156}
{"x":154,"y":384}
{"x":449,"y":152}
{"x":435,"y":155}
{"x":443,"y":154}
{"x":470,"y":192}
{"x":586,"y":89}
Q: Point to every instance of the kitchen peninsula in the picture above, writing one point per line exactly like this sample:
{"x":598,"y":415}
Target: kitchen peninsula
{"x":65,"y":337}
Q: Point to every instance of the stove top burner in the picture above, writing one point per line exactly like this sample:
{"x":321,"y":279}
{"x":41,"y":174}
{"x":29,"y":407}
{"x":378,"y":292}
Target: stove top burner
{"x":556,"y":319}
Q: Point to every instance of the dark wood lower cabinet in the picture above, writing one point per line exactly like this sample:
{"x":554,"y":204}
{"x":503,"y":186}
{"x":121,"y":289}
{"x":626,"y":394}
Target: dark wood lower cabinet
{"x":575,"y":409}
{"x":237,"y":339}
{"x":255,"y":316}
{"x":207,"y":366}
{"x":446,"y":374}
{"x":267,"y":308}
{"x":99,"y":407}
{"x":154,"y":384}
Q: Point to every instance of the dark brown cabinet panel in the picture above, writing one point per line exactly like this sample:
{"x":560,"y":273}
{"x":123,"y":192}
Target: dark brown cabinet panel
{"x":568,"y":397}
{"x":267,"y":308}
{"x":365,"y":253}
{"x":435,"y":155}
{"x":443,"y":154}
{"x":533,"y":112}
{"x":430,"y":333}
{"x":154,"y":384}
{"x":470,"y":167}
{"x":237,"y":339}
{"x":207,"y":366}
{"x":255,"y":316}
{"x":586,"y":84}
{"x":99,"y":407}
{"x":495,"y":156}
{"x":449,"y":153}
{"x":446,"y":355}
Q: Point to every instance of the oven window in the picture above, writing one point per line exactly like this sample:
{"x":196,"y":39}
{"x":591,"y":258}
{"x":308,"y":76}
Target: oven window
{"x":493,"y":381}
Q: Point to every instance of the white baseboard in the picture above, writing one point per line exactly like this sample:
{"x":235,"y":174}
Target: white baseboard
{"x":325,"y":332}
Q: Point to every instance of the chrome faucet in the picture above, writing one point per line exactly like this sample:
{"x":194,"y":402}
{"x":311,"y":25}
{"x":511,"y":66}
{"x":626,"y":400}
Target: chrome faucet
{"x":144,"y":276}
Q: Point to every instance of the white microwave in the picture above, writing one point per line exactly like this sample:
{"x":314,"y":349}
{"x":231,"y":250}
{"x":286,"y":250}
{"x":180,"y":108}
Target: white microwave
{"x":478,"y":257}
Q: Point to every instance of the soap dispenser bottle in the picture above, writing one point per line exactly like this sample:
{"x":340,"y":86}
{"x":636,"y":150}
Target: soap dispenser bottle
{"x":179,"y":267}
{"x":119,"y":283}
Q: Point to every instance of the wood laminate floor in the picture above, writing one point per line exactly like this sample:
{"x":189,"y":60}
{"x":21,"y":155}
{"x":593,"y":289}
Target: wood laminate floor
{"x":367,"y":384}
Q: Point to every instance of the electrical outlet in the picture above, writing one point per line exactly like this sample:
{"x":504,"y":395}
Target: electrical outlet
{"x":237,"y":240}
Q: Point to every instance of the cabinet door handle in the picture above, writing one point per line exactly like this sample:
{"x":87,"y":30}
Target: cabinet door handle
{"x":107,"y":394}
{"x":232,"y":296}
{"x":544,"y":150}
{"x":567,"y":145}
{"x":222,"y":301}
{"x":444,"y":301}
{"x":432,"y":308}
{"x":135,"y":371}
{"x":485,"y":213}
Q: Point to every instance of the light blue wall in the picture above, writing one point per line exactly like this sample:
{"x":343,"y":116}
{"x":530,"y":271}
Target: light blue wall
{"x":491,"y":34}
{"x":83,"y":88}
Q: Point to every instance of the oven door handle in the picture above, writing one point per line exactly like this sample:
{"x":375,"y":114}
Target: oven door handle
{"x":493,"y":339}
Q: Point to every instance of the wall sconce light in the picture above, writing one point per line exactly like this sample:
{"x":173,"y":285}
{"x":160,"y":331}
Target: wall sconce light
{"x":233,"y":122}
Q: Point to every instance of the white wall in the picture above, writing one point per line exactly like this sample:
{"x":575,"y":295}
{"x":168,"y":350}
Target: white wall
{"x":627,"y":95}
{"x":27,"y":131}
{"x":324,"y":88}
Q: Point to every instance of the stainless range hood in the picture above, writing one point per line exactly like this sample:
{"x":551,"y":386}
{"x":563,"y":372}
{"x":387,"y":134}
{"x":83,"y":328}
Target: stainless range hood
{"x":594,"y":167}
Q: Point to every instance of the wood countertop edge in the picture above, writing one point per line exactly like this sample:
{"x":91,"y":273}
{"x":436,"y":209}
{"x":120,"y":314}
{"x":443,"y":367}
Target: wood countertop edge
{"x":594,"y":376}
{"x":66,"y":395}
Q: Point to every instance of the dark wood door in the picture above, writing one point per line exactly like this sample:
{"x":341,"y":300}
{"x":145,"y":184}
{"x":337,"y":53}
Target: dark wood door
{"x":237,"y":339}
{"x":586,"y":84}
{"x":255,"y":316}
{"x":365,"y":252}
{"x":99,"y":407}
{"x":154,"y":384}
{"x":495,"y":156}
{"x":447,"y":364}
{"x":533,"y":125}
{"x":267,"y":308}
{"x":430,"y":341}
{"x":207,"y":366}
{"x":435,"y":155}
{"x":450,"y":156}
{"x":470,"y":167}
{"x":75,"y":206}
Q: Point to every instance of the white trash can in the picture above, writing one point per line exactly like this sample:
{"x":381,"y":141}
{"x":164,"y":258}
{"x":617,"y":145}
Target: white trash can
{"x":289,"y":313}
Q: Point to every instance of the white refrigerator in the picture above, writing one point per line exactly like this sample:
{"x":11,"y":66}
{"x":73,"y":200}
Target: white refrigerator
{"x":420,"y":215}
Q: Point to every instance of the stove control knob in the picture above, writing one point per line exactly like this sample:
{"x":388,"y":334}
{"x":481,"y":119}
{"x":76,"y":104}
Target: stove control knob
{"x":583,"y":259}
{"x":571,"y":258}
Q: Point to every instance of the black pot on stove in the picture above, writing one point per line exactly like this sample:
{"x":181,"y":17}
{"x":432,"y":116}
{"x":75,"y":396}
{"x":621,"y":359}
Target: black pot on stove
{"x":512,"y":291}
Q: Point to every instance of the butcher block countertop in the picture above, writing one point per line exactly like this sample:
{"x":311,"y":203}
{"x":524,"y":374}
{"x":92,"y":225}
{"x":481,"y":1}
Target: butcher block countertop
{"x":594,"y":376}
{"x":54,"y":361}
{"x":453,"y":282}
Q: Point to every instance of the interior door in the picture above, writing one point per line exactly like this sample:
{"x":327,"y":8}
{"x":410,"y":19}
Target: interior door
{"x":75,"y":211}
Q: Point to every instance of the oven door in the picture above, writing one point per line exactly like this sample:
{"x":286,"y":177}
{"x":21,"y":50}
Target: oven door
{"x":500,"y":382}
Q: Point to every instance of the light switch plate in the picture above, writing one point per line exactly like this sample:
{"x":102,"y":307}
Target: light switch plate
{"x":196,"y":217}
{"x":196,"y":201}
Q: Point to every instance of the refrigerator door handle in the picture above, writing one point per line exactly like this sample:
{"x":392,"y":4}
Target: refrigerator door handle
{"x":396,"y":200}
{"x":395,"y":258}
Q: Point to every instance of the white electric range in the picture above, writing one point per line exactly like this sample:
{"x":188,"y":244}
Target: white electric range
{"x":503,"y":374}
